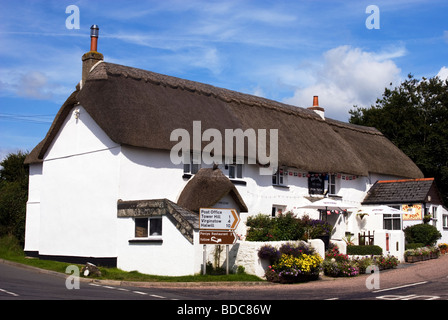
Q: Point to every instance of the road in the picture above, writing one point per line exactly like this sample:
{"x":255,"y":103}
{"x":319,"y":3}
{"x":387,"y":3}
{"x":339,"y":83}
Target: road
{"x":426,"y":280}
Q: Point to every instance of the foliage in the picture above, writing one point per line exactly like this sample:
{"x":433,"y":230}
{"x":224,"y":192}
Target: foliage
{"x":414,"y":116}
{"x":413,"y":245}
{"x":291,"y":269}
{"x":315,"y":227}
{"x":337,"y":264}
{"x":286,"y":226}
{"x":386,"y":262}
{"x":422,"y":233}
{"x":422,"y":251}
{"x":291,"y":263}
{"x":13,"y":195}
{"x":296,"y":250}
{"x":269,"y":252}
{"x":364,"y":250}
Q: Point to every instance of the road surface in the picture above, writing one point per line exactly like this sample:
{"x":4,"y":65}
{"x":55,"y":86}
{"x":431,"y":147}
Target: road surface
{"x":426,"y":280}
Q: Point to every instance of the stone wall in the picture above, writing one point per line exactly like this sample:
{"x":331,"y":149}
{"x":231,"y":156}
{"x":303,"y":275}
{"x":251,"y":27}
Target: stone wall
{"x":245,"y":253}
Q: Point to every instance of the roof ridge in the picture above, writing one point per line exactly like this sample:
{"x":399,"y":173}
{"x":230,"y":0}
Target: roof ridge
{"x":405,"y":180}
{"x":223,"y":94}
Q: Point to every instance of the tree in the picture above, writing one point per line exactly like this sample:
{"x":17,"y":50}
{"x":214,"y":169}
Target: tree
{"x":414,"y":116}
{"x":13,"y":195}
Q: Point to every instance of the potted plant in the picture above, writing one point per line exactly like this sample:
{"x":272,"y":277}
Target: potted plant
{"x":443,"y":248}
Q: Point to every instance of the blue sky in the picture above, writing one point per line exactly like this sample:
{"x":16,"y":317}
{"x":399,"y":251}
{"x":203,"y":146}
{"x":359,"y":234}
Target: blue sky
{"x":284,"y":50}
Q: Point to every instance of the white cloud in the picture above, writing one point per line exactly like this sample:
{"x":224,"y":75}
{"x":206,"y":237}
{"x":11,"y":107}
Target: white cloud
{"x":443,"y":73}
{"x":347,"y":77}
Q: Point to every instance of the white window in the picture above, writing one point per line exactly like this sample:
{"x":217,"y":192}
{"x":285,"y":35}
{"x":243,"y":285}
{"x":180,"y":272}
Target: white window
{"x":392,"y":221}
{"x":235,"y":171}
{"x":434,"y":215}
{"x":277,"y":209}
{"x":332,"y":184}
{"x":148,"y":227}
{"x":278,"y":177}
{"x":194,"y":164}
{"x":445,"y":221}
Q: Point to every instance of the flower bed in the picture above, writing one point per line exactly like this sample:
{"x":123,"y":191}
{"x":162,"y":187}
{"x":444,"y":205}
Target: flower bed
{"x":421,"y":254}
{"x":291,"y":263}
{"x":337,"y":264}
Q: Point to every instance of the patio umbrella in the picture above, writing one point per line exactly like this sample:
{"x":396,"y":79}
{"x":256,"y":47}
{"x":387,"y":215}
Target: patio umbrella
{"x":328,"y":205}
{"x":381,"y":210}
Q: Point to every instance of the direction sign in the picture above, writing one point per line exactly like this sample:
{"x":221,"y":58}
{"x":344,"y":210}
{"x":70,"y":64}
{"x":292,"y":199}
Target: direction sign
{"x":216,"y":237}
{"x":215,"y":218}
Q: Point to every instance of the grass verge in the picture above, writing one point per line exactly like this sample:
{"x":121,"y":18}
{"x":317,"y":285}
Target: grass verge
{"x":11,"y":250}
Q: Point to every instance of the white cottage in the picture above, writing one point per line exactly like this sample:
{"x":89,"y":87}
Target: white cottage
{"x":103,"y":187}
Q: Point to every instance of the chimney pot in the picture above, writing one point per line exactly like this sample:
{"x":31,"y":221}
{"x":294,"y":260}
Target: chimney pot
{"x":94,"y":32}
{"x":319,"y":110}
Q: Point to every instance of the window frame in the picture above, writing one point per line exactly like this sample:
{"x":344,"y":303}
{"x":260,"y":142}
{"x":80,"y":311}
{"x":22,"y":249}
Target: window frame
{"x":150,"y":224}
{"x":278,"y":178}
{"x":392,"y":219}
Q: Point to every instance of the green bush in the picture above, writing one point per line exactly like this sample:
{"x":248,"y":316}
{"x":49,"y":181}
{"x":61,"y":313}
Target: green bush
{"x":364,"y":250}
{"x":410,"y":246}
{"x":284,"y":227}
{"x":422,"y":233}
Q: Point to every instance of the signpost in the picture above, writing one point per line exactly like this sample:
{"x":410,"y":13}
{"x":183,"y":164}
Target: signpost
{"x":217,"y":227}
{"x":217,"y":237}
{"x":218,"y":219}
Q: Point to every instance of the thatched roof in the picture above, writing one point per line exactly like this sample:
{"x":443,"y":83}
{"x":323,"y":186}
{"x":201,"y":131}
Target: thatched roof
{"x":141,"y":108}
{"x":206,"y":188}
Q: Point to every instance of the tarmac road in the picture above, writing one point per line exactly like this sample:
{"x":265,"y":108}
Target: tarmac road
{"x":426,"y":280}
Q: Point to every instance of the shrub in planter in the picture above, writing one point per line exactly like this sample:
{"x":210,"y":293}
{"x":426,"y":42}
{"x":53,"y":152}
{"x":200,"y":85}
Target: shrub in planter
{"x":422,"y":233}
{"x":296,"y":250}
{"x":363,"y":263}
{"x":342,"y":268}
{"x":364,"y":250}
{"x":269,"y":252}
{"x":443,"y":248}
{"x":337,"y":264}
{"x":290,"y":269}
{"x":386,"y":262}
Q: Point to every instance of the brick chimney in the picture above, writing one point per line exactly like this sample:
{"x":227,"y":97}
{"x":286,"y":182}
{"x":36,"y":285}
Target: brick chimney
{"x":89,"y":59}
{"x":319,"y":110}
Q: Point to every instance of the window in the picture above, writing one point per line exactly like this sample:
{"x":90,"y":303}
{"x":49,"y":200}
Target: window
{"x":235,"y":171}
{"x":445,"y":221}
{"x":148,"y":227}
{"x":392,"y":221}
{"x":332,"y":187}
{"x":193,"y":165}
{"x":434,"y":215}
{"x":277,"y":209}
{"x":277,"y":178}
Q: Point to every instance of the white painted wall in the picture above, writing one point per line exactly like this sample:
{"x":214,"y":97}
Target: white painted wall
{"x":32,"y":223}
{"x":176,"y":256}
{"x":79,"y":191}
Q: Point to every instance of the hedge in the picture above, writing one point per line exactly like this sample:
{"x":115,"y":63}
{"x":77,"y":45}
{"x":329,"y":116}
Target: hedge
{"x":364,"y":250}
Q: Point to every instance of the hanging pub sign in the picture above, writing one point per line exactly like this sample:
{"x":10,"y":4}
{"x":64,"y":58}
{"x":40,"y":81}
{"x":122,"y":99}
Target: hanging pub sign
{"x":316,"y":183}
